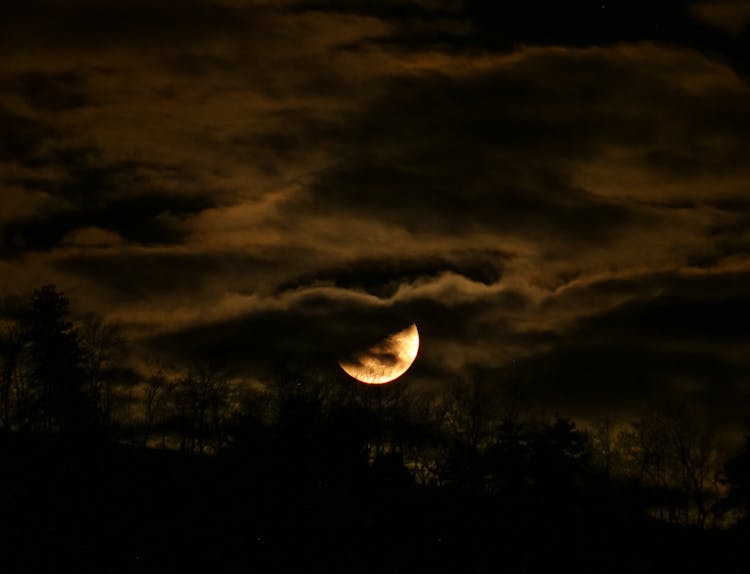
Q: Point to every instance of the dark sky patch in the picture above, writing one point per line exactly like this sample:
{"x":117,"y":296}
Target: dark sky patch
{"x":21,"y":135}
{"x":56,"y":92}
{"x":95,"y":25}
{"x":148,"y":219}
{"x":591,"y":22}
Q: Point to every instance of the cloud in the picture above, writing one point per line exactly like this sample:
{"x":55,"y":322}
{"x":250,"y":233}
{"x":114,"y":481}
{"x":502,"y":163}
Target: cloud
{"x":385,"y":277}
{"x":534,"y":164}
{"x":730,"y":15}
{"x":139,"y":273}
{"x":555,"y":195}
{"x":92,"y":237}
{"x":665,"y":337}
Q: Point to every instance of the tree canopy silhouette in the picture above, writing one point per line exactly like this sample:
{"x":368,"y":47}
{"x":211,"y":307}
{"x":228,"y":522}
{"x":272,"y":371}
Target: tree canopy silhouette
{"x":44,"y":376}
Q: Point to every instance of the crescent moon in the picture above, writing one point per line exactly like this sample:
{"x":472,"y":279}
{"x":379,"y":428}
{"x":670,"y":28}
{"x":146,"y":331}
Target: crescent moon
{"x":386,"y":360}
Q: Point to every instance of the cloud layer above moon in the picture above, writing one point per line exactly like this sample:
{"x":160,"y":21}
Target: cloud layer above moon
{"x":558,"y":201}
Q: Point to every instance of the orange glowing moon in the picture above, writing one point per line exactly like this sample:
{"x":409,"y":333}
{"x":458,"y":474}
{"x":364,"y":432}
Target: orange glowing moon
{"x":386,"y":360}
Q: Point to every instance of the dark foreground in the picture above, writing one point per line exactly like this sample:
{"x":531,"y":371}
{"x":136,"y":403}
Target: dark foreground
{"x":128,"y":509}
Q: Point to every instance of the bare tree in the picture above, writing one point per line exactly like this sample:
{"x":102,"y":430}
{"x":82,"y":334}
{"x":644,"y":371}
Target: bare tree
{"x":11,"y":349}
{"x":607,"y":446}
{"x":155,"y":402}
{"x":675,"y":452}
{"x":468,"y":412}
{"x":202,"y":402}
{"x":421,"y":451}
{"x":693,"y":445}
{"x":101,"y":343}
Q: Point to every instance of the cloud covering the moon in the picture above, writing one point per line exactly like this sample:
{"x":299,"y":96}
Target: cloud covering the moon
{"x":386,"y":360}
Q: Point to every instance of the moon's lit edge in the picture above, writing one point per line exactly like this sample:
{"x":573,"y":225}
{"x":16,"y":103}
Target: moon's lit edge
{"x":399,"y":370}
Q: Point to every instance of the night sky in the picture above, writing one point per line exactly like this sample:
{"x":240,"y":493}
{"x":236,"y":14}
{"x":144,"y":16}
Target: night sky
{"x":557,"y":193}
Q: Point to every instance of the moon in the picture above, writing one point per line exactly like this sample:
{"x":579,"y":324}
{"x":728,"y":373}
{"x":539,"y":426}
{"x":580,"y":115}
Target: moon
{"x":386,"y":360}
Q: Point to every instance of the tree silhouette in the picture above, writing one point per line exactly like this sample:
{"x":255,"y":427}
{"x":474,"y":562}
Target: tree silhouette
{"x":468,"y":412}
{"x":11,"y":355}
{"x":202,"y":402}
{"x":672,"y":457}
{"x":560,"y":454}
{"x":57,"y":397}
{"x":100,"y":343}
{"x":155,"y":404}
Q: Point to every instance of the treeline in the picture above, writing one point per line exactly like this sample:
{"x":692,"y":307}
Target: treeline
{"x":70,"y":381}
